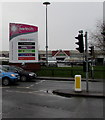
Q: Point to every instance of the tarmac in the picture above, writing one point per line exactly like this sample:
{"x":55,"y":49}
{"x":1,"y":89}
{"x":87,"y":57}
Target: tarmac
{"x":95,"y":88}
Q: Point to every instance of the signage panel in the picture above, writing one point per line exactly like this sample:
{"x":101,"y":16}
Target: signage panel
{"x":23,"y":43}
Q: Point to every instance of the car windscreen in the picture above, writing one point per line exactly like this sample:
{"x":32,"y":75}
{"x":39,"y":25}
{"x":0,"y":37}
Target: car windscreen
{"x":17,"y":68}
{"x":3,"y":70}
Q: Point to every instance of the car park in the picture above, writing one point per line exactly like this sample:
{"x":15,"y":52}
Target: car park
{"x":24,"y":75}
{"x":7,"y":78}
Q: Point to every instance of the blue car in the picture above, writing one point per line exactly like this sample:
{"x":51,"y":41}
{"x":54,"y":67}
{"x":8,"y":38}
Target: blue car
{"x":7,"y":78}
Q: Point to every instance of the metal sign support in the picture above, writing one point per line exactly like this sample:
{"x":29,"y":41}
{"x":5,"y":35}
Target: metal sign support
{"x":86,"y":54}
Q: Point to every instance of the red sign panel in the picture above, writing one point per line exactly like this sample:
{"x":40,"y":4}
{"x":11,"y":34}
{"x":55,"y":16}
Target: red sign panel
{"x":26,"y":58}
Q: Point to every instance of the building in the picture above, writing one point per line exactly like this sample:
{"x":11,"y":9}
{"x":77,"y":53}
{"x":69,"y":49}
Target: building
{"x":61,"y":55}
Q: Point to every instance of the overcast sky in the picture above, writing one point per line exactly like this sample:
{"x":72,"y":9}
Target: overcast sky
{"x":65,"y":19}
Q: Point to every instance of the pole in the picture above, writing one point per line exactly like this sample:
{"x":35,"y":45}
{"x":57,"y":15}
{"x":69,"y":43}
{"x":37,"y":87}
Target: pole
{"x":46,"y":3}
{"x":86,"y":53}
{"x":46,"y":39}
{"x":92,"y":58}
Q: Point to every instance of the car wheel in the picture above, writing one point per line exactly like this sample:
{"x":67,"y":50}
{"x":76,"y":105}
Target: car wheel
{"x":23,"y":78}
{"x":5,"y":81}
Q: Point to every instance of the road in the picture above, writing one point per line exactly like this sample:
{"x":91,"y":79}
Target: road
{"x":35,"y":100}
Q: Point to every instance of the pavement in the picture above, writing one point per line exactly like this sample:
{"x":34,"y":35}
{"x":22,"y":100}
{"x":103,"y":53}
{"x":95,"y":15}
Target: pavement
{"x":95,"y":88}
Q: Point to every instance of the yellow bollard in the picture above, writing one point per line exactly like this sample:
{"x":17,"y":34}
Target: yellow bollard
{"x":78,"y":83}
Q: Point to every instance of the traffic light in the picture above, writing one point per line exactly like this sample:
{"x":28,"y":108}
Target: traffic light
{"x":91,"y":50}
{"x":80,"y":43}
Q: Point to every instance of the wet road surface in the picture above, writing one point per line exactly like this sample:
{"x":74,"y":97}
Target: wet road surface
{"x":35,"y":100}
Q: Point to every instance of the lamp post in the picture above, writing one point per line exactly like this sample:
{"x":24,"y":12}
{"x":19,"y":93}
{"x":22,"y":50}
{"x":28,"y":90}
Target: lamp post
{"x":46,"y":3}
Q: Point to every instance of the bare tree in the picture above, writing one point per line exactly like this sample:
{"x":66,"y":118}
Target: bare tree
{"x":98,"y":37}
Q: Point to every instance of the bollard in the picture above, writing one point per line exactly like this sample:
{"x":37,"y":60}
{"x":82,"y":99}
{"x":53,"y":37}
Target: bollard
{"x":78,"y":83}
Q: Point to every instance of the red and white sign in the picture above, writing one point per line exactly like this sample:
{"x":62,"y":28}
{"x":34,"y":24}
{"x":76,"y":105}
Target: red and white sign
{"x":19,"y":29}
{"x":23,"y":41}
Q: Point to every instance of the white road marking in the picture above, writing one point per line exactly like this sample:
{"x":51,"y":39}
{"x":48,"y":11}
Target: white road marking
{"x":32,"y":84}
{"x":40,"y":81}
{"x":23,"y":86}
{"x":27,"y":87}
{"x":43,"y":91}
{"x":33,"y":92}
{"x":40,"y":92}
{"x":4,"y":87}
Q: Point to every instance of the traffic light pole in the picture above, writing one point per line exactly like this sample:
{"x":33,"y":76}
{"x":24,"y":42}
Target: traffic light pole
{"x":86,"y":55}
{"x":92,"y":70}
{"x":81,"y":50}
{"x":92,"y":58}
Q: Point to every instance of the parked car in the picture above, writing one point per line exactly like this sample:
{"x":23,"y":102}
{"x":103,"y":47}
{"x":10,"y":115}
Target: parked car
{"x":24,"y":75}
{"x":7,"y":78}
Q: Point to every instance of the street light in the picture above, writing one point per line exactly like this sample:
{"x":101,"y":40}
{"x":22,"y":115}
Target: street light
{"x":46,"y":3}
